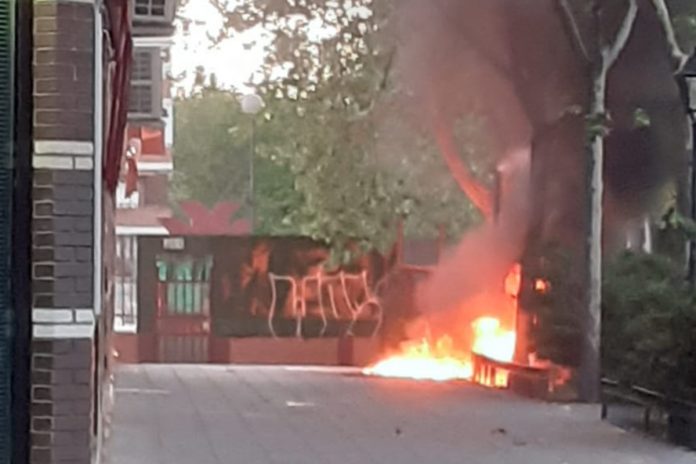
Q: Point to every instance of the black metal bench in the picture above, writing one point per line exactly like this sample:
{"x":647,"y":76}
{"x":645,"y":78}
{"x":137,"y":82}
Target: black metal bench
{"x":647,"y":399}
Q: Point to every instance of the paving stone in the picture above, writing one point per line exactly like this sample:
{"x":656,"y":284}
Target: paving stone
{"x":269,"y":415}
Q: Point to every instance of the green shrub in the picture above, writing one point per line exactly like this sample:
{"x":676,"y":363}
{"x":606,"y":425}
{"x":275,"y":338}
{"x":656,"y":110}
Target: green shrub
{"x":649,"y":325}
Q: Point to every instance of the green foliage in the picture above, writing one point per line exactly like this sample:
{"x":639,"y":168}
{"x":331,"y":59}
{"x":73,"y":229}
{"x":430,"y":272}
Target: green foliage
{"x":684,"y":18}
{"x":343,"y":159}
{"x":641,"y":118}
{"x":315,"y":42}
{"x":685,"y":226}
{"x":597,"y":125}
{"x":318,"y":172}
{"x":212,"y":159}
{"x":356,"y":182}
{"x":649,"y":318}
{"x":213,"y":149}
{"x":673,"y":232}
{"x":277,"y":199}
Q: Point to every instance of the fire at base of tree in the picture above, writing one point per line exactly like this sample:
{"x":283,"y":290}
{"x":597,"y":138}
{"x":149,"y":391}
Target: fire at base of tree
{"x":381,"y":122}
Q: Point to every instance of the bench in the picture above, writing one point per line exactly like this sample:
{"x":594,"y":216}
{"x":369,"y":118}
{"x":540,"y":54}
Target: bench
{"x":523,"y":379}
{"x":647,"y":399}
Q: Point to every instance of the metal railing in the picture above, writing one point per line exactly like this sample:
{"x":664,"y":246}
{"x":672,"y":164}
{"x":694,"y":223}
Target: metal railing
{"x":677,"y":418}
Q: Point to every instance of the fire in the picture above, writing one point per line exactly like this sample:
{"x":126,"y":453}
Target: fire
{"x":441,"y":361}
{"x":513,"y":281}
{"x":425,"y":361}
{"x":492,"y":341}
{"x":542,"y":286}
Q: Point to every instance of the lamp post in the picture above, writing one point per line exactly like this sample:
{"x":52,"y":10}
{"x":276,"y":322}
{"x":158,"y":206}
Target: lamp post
{"x":687,"y":79}
{"x":252,"y":104}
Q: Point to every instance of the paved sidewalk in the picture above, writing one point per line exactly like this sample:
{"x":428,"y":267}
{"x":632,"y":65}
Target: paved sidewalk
{"x":259,"y":415}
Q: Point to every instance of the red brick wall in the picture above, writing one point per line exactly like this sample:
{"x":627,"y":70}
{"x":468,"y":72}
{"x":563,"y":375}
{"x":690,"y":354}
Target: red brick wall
{"x":63,"y":71}
{"x":63,"y":346}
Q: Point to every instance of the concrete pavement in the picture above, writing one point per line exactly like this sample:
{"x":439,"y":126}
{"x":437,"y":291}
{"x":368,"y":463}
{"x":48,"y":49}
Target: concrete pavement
{"x":258,"y":415}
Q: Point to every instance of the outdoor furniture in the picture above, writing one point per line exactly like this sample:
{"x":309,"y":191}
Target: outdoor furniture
{"x":525,"y":380}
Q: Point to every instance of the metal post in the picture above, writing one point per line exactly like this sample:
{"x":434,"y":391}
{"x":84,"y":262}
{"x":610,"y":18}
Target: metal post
{"x":686,"y":80}
{"x":251,"y":105}
{"x":21,"y":230}
{"x":252,"y":202}
{"x":692,"y":210}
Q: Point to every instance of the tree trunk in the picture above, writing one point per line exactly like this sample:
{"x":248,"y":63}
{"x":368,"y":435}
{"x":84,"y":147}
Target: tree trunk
{"x":605,"y":57}
{"x":647,"y":236}
{"x":590,"y":366}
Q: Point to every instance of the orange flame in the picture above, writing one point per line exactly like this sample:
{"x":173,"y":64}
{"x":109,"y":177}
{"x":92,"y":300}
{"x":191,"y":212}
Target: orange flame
{"x":492,"y":341}
{"x":422,"y":360}
{"x":542,"y":286}
{"x":441,"y":360}
{"x":513,"y":281}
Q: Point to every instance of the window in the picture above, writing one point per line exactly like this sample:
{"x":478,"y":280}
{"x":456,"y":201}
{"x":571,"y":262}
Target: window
{"x":142,"y":65}
{"x":122,"y":202}
{"x":154,"y":10}
{"x":141,"y":99}
{"x":126,"y":288}
{"x":146,"y":84}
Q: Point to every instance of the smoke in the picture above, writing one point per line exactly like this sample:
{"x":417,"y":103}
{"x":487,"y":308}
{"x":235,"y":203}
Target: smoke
{"x":513,"y":64}
{"x":449,"y":81}
{"x":474,"y":271}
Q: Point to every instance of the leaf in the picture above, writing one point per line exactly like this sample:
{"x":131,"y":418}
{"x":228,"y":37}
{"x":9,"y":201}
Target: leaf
{"x":641,"y":119}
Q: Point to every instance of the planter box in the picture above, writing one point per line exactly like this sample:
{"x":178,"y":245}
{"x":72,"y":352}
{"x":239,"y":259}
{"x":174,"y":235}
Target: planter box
{"x":358,"y":352}
{"x":288,"y":351}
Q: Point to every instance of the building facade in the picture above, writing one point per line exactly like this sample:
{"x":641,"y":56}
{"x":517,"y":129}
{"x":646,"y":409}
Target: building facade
{"x":142,"y":197}
{"x":81,"y":56}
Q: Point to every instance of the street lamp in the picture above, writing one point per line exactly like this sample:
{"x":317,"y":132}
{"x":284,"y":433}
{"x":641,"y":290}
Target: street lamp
{"x":687,"y":79}
{"x":252,"y":104}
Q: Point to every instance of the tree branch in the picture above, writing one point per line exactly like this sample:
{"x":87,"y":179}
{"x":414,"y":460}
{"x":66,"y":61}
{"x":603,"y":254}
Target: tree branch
{"x":477,"y":193}
{"x":676,"y":53}
{"x":574,"y":30}
{"x":612,"y":52}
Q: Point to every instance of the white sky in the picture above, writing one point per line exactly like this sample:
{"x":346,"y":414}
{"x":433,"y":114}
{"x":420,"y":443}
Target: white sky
{"x":230,"y":61}
{"x":235,"y":60}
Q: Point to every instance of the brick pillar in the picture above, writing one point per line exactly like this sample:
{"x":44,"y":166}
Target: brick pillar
{"x":63,"y":345}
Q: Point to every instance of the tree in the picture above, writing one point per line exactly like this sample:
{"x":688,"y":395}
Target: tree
{"x":321,"y":122}
{"x":559,"y":77}
{"x":560,"y":90}
{"x":213,"y":155}
{"x":601,"y":52}
{"x":678,"y":21}
{"x":212,"y":149}
{"x":317,"y":174}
